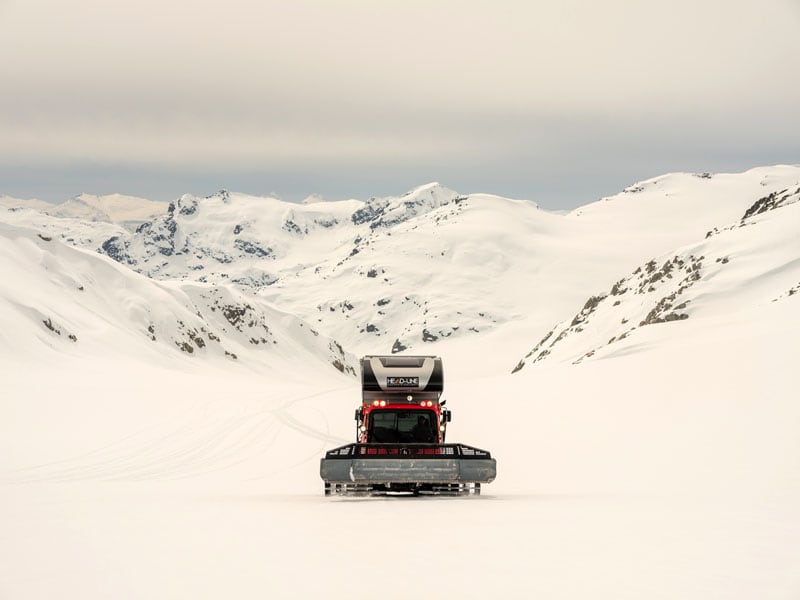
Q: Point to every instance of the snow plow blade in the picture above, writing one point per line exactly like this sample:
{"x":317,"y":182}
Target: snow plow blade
{"x":370,"y":469}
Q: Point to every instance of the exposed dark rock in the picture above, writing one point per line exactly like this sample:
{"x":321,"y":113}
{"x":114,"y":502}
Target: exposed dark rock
{"x":187,"y":207}
{"x":398,"y":346}
{"x":252,"y":248}
{"x":292,"y":227}
{"x":369,"y":212}
{"x":655,"y":315}
{"x":771,"y":202}
{"x":223,"y":195}
{"x":256,"y":281}
{"x":326,"y":223}
{"x":185,"y":347}
{"x":618,"y":288}
{"x":158,"y":235}
{"x":235,"y":314}
{"x":116,"y":249}
{"x":588,"y":308}
{"x":675,"y":317}
{"x":168,"y":237}
{"x":52,"y":327}
{"x":340,"y":361}
{"x":427,"y":336}
{"x":540,"y":344}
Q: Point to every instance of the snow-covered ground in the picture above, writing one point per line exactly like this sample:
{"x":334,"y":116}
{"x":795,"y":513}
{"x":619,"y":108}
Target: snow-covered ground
{"x":663,"y":474}
{"x":666,"y":465}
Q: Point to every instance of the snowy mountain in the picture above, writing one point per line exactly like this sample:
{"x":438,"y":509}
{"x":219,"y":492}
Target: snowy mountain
{"x":126,"y":211}
{"x":434,"y":266}
{"x":61,"y":300}
{"x":728,"y":276}
{"x":9,"y":202}
{"x":161,"y":430}
{"x":402,"y":273}
{"x":70,"y":230}
{"x":430,"y":267}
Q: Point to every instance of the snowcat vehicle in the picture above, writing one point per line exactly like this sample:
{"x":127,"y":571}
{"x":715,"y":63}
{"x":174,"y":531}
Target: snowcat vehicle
{"x":400,"y":432}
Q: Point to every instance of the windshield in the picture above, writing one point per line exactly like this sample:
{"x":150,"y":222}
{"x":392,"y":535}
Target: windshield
{"x":402,"y":426}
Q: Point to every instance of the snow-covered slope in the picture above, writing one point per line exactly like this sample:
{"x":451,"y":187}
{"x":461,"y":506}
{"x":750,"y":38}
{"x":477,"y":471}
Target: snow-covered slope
{"x":70,"y":230}
{"x":724,"y":279}
{"x":664,"y":465}
{"x":402,"y":273}
{"x":19,"y":203}
{"x":58,"y":300}
{"x":126,"y":211}
{"x":427,"y":268}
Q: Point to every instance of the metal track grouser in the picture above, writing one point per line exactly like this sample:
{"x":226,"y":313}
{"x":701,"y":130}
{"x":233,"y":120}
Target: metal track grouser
{"x":400,"y":432}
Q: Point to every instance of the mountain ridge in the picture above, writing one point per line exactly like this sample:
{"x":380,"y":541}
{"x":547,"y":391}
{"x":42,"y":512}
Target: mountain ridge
{"x":429,"y":267}
{"x":72,"y":301}
{"x":667,"y":288}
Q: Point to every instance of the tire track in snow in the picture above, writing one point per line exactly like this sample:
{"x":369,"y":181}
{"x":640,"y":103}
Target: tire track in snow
{"x":200,"y":443}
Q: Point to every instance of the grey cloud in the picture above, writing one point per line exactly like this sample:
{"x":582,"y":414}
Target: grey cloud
{"x":496,"y":92}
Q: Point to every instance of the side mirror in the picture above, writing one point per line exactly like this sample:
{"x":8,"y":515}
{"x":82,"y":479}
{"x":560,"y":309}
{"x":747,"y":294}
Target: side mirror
{"x":443,"y":402}
{"x":448,"y":416}
{"x":358,"y":414}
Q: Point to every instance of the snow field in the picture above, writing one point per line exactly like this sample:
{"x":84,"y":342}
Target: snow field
{"x":616,"y":479}
{"x":665,"y":465}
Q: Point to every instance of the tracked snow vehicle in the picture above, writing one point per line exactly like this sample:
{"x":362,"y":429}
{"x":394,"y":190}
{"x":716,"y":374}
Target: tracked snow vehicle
{"x":400,"y":432}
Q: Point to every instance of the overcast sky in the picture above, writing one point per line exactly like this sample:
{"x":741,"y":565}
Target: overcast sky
{"x":560,"y":102}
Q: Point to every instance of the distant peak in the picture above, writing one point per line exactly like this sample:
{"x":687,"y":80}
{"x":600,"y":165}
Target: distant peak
{"x":222,"y":194}
{"x":433,"y":185}
{"x":312,"y":199}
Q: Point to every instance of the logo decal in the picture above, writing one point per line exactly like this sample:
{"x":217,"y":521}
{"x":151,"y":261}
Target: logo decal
{"x":402,"y":382}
